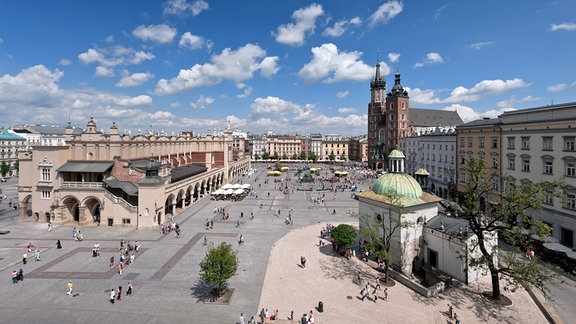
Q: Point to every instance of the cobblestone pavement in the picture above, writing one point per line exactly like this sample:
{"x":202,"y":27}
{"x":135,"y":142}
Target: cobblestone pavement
{"x":165,"y":271}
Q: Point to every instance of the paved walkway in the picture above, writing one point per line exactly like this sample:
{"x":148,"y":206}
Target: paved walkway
{"x":165,"y":272}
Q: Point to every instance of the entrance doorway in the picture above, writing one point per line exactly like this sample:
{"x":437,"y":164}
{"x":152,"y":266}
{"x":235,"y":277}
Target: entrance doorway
{"x":433,"y":258}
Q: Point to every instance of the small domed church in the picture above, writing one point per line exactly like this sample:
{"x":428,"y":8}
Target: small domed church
{"x":423,"y":238}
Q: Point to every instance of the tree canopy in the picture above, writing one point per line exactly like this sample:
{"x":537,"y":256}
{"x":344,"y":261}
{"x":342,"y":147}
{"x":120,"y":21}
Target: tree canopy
{"x":512,"y":219}
{"x":344,"y":234}
{"x":219,"y":265}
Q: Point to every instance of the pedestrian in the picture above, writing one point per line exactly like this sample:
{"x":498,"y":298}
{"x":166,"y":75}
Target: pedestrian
{"x":49,"y":226}
{"x":457,"y":318}
{"x":132,"y":257}
{"x":304,"y":319}
{"x":241,"y":318}
{"x":450,"y":310}
{"x":120,"y":268}
{"x":386,"y":294}
{"x":15,"y":277}
{"x":21,"y":275}
{"x":74,"y":233}
{"x":262,"y":315}
{"x":112,"y":295}
{"x":37,"y":255}
{"x":531,"y":254}
{"x":291,"y":315}
{"x":24,"y":256}
{"x":241,"y":240}
{"x":366,"y":255}
{"x":69,"y":288}
{"x":241,"y":214}
{"x":119,"y":294}
{"x":303,"y":262}
{"x":58,"y":244}
{"x":111,"y":261}
{"x":129,"y":289}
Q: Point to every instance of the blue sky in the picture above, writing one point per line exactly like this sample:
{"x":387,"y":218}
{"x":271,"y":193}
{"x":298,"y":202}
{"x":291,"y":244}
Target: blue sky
{"x":285,"y":66}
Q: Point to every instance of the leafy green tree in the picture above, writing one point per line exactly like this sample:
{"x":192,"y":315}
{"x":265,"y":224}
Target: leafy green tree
{"x":4,"y":168}
{"x":284,"y":156}
{"x":380,"y":227}
{"x":294,"y":156}
{"x":331,"y":157}
{"x":312,"y":156}
{"x":302,"y":155}
{"x":256,"y":157}
{"x":512,"y":220}
{"x":343,"y":157}
{"x":17,"y":165}
{"x":265,"y":155}
{"x":275,"y":156}
{"x":344,"y":234}
{"x":219,"y":265}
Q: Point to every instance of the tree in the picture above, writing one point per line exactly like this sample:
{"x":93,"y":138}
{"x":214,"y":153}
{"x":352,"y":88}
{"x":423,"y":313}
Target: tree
{"x":302,"y":155}
{"x":343,"y":157}
{"x":284,"y":156}
{"x":4,"y":168}
{"x":265,"y":155}
{"x":381,"y":227}
{"x":17,"y":165}
{"x":256,"y":157}
{"x":219,"y":265}
{"x":512,"y":220}
{"x":312,"y":156}
{"x":275,"y":156}
{"x":344,"y":234}
{"x":295,"y":156}
{"x":331,"y":157}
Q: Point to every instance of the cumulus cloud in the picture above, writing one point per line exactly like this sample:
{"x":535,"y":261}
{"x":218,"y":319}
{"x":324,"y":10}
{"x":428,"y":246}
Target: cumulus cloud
{"x":133,"y":80}
{"x":141,"y":100}
{"x":285,"y":116}
{"x":462,"y":94}
{"x":333,"y":66}
{"x":480,"y":45}
{"x":431,"y":58}
{"x":247,"y":90}
{"x":111,"y":57}
{"x":202,"y":102}
{"x":420,"y":96}
{"x":557,"y":87}
{"x":341,"y":26}
{"x":512,"y":101}
{"x":563,"y":26}
{"x":36,"y":85}
{"x":393,"y":57}
{"x":342,"y":94}
{"x":235,"y":65}
{"x":184,"y":8}
{"x":343,"y":111}
{"x":385,"y":13}
{"x":65,"y":62}
{"x":467,"y":114}
{"x":187,"y":40}
{"x":162,"y":34}
{"x":304,"y":24}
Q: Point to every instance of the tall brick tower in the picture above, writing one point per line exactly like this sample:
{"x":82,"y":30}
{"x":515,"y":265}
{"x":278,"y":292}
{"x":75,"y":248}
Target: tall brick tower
{"x":397,"y":115}
{"x":376,"y":121}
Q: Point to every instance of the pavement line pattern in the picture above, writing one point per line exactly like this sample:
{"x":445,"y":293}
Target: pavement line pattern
{"x":164,"y":269}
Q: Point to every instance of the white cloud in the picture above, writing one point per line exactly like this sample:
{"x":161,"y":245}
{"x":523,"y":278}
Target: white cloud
{"x":393,"y":57}
{"x":141,"y":100}
{"x":341,"y":26}
{"x":431,"y":58}
{"x":235,"y":65}
{"x":512,"y":101}
{"x":480,"y":45}
{"x":182,"y":7}
{"x":343,"y":111}
{"x":419,"y":96}
{"x":187,"y":40}
{"x":462,"y":94}
{"x":65,"y":62}
{"x":466,"y":113}
{"x":304,"y":23}
{"x":133,"y":80}
{"x":104,"y":71}
{"x":335,"y":67}
{"x":247,"y":90}
{"x":162,"y":34}
{"x":202,"y":102}
{"x":273,"y":106}
{"x":563,"y":26}
{"x":557,"y":87}
{"x":342,"y":94}
{"x":108,"y":58}
{"x":385,"y":13}
{"x":36,"y":85}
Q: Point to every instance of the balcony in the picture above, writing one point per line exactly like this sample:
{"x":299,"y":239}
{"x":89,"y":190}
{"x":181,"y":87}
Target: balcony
{"x":82,"y":185}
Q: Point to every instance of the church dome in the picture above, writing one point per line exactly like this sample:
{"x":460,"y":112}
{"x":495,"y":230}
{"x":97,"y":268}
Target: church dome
{"x":401,"y":184}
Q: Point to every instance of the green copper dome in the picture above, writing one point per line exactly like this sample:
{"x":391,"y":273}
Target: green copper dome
{"x":396,"y":154}
{"x":401,"y":184}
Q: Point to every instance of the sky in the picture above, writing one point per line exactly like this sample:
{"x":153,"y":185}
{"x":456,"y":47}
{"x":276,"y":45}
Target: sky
{"x":290,"y":67}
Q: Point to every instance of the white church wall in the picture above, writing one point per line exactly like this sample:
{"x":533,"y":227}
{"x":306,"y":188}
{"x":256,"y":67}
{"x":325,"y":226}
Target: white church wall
{"x":448,"y":254}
